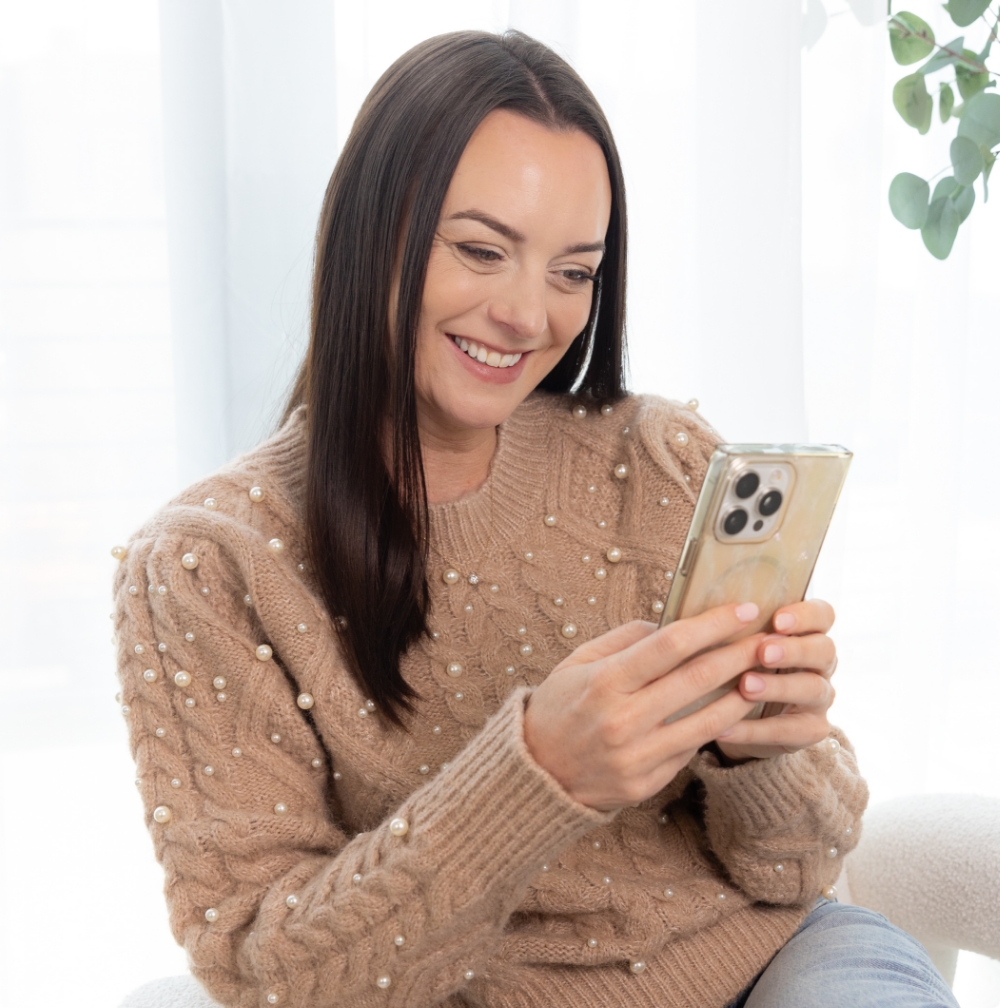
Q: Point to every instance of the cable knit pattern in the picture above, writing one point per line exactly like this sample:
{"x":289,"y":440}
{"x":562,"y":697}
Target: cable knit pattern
{"x":315,"y":855}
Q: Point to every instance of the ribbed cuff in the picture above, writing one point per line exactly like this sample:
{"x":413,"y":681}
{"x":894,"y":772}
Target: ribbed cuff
{"x":495,"y":808}
{"x":762,"y":796}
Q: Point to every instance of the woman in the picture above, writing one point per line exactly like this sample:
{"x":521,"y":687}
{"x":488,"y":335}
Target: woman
{"x":396,"y":707}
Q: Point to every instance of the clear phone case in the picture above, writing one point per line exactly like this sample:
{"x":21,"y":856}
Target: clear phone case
{"x":756,"y":533}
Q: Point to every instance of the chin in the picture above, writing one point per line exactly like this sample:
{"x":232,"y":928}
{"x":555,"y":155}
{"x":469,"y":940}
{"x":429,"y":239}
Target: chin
{"x":479,"y":412}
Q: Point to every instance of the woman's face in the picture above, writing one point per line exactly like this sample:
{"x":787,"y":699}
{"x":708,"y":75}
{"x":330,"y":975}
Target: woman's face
{"x":510,"y":274}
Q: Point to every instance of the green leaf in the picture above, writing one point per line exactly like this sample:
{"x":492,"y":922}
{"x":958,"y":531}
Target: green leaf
{"x":943,"y":59}
{"x":970,"y":81}
{"x":909,"y":196}
{"x":963,"y":198}
{"x":946,"y":102}
{"x":981,"y":119}
{"x":988,"y":160}
{"x":913,"y":102}
{"x":941,"y":227}
{"x":966,"y":160}
{"x":910,"y":37}
{"x":964,"y":12}
{"x":946,"y":187}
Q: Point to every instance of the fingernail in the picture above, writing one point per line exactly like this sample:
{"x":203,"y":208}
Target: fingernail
{"x":784,"y":621}
{"x":753,"y":683}
{"x":773,"y":653}
{"x":746,"y":612}
{"x":725,"y":734}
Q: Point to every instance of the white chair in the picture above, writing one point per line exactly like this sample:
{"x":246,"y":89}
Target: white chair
{"x":930,"y":863}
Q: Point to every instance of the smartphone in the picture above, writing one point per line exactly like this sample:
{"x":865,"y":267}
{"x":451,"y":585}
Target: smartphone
{"x":756,"y":533}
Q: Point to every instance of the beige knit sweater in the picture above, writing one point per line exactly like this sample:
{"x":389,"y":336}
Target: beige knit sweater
{"x":317,"y":857}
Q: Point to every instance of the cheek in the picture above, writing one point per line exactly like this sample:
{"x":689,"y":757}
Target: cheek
{"x":568,"y":317}
{"x":449,"y":290}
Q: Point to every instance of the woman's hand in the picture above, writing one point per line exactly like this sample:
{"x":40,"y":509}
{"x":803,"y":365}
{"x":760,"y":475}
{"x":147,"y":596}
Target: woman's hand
{"x":800,"y":644}
{"x":596,"y":723}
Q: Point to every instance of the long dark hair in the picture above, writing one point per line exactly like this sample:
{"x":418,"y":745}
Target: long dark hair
{"x":366,"y":501}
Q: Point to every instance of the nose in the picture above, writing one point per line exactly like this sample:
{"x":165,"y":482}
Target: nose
{"x":520,"y":305}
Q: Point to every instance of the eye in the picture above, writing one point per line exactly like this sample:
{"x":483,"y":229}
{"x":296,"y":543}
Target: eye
{"x":485,"y":255}
{"x":575,"y":278}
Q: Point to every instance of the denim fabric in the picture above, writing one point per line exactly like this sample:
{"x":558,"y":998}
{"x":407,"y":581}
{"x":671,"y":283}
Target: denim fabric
{"x":845,"y":956}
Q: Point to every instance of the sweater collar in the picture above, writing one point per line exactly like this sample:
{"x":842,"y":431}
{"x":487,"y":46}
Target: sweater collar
{"x":500,"y":512}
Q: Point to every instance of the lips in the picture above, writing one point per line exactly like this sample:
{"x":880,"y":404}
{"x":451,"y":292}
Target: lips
{"x":491,"y":358}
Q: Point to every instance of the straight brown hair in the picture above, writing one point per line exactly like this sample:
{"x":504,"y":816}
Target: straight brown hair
{"x":366,"y":500}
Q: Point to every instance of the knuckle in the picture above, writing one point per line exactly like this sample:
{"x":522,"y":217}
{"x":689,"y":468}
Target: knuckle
{"x":615,"y":728}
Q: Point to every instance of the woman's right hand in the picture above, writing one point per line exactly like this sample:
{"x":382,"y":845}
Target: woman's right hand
{"x":596,"y":723}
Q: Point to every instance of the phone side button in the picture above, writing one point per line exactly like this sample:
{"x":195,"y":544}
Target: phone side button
{"x":687,"y":557}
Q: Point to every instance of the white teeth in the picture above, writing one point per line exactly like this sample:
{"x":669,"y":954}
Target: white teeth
{"x":493,"y":358}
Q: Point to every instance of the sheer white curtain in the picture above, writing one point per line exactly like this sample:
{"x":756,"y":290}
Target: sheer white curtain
{"x":767,"y":280}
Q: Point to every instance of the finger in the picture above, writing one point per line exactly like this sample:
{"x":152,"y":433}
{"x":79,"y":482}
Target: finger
{"x":668,"y":747}
{"x":691,"y":681}
{"x":815,"y":651}
{"x":804,"y":689}
{"x":814,"y":616}
{"x":786,"y":731}
{"x":609,"y":643}
{"x":668,"y":647}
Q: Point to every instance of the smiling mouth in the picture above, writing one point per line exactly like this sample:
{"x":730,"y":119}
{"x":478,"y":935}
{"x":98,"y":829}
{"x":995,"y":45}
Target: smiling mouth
{"x":491,"y":358}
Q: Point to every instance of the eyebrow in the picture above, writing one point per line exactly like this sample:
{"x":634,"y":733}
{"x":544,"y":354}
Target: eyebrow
{"x":513,"y":235}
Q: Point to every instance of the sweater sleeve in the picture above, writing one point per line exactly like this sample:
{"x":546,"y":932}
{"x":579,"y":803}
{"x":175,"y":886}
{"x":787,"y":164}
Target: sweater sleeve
{"x":782,"y":826}
{"x":274,"y":902}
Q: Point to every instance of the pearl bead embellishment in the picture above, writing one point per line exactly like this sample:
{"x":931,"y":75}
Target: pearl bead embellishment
{"x":569,"y":630}
{"x":636,"y":965}
{"x":189,"y":561}
{"x":189,"y":701}
{"x":317,"y":763}
{"x":256,"y":494}
{"x":175,"y":782}
{"x":832,"y":745}
{"x":424,"y":769}
{"x":454,"y":669}
{"x":592,"y":942}
{"x":450,"y":576}
{"x":362,"y":712}
{"x":161,"y":647}
{"x":139,"y":649}
{"x":831,"y":852}
{"x":305,"y":701}
{"x":162,"y":814}
{"x":614,"y":554}
{"x":607,"y":410}
{"x":132,"y":590}
{"x":681,"y":437}
{"x":621,"y":471}
{"x":237,"y":752}
{"x":275,"y":738}
{"x":830,"y":892}
{"x":182,"y":678}
{"x":149,"y":675}
{"x":398,"y":826}
{"x":469,"y":975}
{"x":160,"y":732}
{"x":264,"y":652}
{"x":600,"y":573}
{"x":272,"y":998}
{"x":209,"y":770}
{"x":302,"y":628}
{"x":219,"y":682}
{"x":693,"y":404}
{"x":398,"y":941}
{"x":664,"y":501}
{"x":292,"y":901}
{"x":281,"y":808}
{"x":384,"y":982}
{"x":118,"y":552}
{"x":579,"y":412}
{"x":356,"y":878}
{"x":550,"y":520}
{"x":275,"y":545}
{"x":558,"y":601}
{"x":211,"y":503}
{"x":526,"y":650}
{"x":779,"y":868}
{"x":211,"y":915}
{"x":669,"y":893}
{"x":657,"y":606}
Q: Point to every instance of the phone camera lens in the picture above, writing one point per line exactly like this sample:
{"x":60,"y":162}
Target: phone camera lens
{"x":758,"y":525}
{"x":735,"y":521}
{"x":769,"y":503}
{"x":747,"y":485}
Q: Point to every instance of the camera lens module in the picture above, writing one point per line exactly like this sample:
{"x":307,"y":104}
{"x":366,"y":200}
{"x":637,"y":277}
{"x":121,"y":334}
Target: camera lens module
{"x":747,"y":485}
{"x":735,"y":521}
{"x":769,"y":503}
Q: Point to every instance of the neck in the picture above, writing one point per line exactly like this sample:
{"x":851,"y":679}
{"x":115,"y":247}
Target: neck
{"x":456,"y":462}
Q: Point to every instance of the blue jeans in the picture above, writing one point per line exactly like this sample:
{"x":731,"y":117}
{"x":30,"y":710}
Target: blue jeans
{"x":845,"y":956}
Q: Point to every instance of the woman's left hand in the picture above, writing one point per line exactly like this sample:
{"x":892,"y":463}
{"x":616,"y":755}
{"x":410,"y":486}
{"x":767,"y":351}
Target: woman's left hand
{"x":800,"y":643}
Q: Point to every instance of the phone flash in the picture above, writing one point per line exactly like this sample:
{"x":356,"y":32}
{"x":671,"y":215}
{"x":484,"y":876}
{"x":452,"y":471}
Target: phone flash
{"x":776,"y":475}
